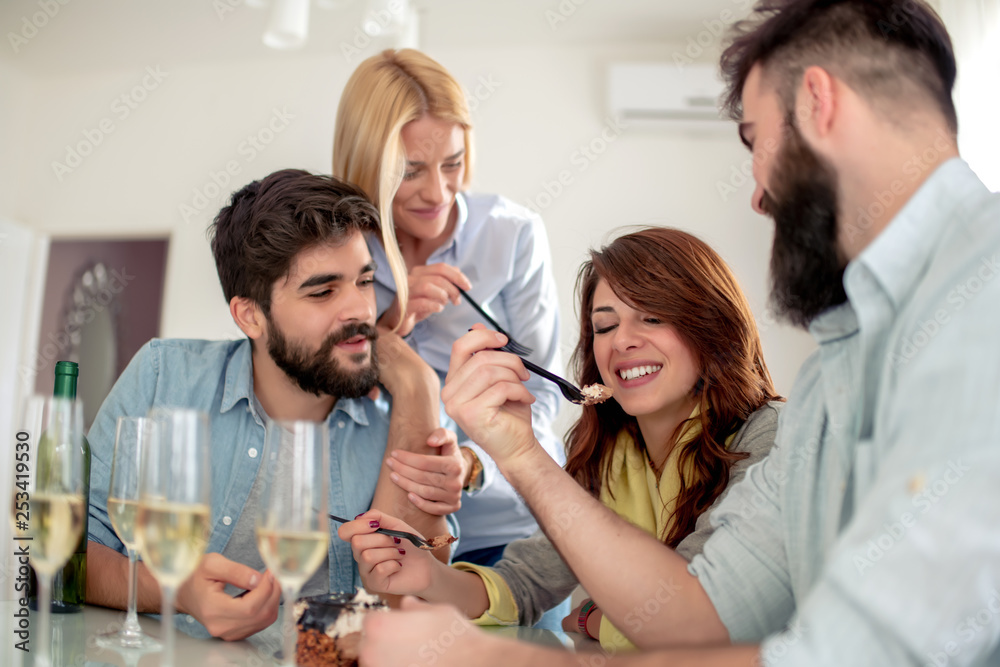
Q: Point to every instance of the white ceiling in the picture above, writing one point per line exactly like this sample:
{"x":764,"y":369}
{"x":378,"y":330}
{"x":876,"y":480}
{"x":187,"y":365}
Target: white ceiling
{"x":89,"y":35}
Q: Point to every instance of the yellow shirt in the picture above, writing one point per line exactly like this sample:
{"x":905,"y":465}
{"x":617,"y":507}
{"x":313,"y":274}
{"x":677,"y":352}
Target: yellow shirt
{"x":634,"y":493}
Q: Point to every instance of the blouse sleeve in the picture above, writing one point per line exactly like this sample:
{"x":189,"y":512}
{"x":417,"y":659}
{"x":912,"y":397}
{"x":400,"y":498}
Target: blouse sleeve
{"x":756,"y":437}
{"x":532,"y":306}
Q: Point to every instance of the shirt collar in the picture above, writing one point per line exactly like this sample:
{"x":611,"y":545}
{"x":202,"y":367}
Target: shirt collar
{"x":834,"y":323}
{"x":353,"y":408}
{"x":239,"y":378}
{"x":239,"y":386}
{"x":900,"y":254}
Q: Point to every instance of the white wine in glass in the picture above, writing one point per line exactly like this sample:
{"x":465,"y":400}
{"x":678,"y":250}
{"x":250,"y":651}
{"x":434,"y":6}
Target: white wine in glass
{"x":57,"y":520}
{"x":48,"y":507}
{"x":174,"y":537}
{"x":122,"y":514}
{"x":132,"y":437}
{"x":291,"y":555}
{"x":292,"y":524}
{"x":173,"y":521}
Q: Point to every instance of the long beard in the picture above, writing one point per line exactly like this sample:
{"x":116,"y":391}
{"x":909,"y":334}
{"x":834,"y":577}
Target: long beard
{"x":807,"y":273}
{"x":319,"y":372}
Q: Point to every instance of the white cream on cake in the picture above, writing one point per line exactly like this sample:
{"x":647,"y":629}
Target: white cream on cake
{"x":353,"y":615}
{"x":595,"y":393}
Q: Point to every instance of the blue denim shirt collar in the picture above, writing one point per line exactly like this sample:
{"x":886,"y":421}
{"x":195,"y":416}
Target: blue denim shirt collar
{"x":239,"y":380}
{"x":239,"y":387}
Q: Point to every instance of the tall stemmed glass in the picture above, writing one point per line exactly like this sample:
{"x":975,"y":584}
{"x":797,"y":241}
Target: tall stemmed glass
{"x":132,"y":437}
{"x":292,"y":524}
{"x":173,"y":522}
{"x":48,"y":506}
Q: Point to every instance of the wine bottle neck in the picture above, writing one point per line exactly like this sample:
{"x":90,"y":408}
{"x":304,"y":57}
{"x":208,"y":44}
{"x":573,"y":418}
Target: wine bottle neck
{"x":65,"y":382}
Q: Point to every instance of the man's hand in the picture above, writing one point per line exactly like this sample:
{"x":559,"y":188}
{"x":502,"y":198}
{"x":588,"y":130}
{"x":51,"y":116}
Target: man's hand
{"x":402,"y":637}
{"x":432,"y":287}
{"x":388,"y":564}
{"x":485,"y":394}
{"x":433,"y":482}
{"x":203,"y":596}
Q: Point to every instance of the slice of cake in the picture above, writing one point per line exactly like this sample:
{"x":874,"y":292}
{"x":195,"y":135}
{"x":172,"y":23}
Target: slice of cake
{"x":330,"y":627}
{"x":439,"y":541}
{"x":595,"y":393}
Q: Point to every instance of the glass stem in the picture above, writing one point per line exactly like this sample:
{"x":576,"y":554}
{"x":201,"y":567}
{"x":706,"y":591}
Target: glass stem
{"x":132,"y":627}
{"x":44,"y":618}
{"x":289,"y":634}
{"x":167,"y":616}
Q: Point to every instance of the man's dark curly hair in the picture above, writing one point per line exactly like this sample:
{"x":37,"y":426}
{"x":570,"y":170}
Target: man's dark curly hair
{"x":268,"y":222}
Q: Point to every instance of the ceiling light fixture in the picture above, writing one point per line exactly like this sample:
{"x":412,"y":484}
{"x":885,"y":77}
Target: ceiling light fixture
{"x":288,"y":26}
{"x":386,"y":17}
{"x":392,"y":20}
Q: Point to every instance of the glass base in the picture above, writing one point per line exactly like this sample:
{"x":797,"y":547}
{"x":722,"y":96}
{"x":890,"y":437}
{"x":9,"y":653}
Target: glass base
{"x":140,"y":642}
{"x":56,"y":606}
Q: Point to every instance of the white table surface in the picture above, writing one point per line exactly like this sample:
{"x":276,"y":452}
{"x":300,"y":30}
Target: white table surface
{"x":74,"y":642}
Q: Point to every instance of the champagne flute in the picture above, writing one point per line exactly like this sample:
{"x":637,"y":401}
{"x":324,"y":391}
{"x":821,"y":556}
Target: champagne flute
{"x":173,"y":520}
{"x":292,"y":527}
{"x":132,"y":437}
{"x":48,"y":506}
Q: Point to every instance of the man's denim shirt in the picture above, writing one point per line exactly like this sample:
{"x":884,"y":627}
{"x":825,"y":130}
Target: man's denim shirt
{"x":217,"y":377}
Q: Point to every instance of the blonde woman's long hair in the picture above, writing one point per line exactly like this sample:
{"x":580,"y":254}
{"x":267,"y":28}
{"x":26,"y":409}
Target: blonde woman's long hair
{"x":386,"y":92}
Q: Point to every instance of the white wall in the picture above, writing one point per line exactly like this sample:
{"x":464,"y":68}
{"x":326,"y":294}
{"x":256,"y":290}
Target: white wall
{"x":545,"y":104}
{"x":14,"y":93}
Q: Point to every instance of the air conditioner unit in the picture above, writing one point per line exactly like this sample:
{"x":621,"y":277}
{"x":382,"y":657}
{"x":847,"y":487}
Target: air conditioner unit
{"x":665,"y":92}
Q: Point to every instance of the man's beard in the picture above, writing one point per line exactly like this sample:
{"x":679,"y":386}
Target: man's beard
{"x":319,"y":372}
{"x":807,"y":274}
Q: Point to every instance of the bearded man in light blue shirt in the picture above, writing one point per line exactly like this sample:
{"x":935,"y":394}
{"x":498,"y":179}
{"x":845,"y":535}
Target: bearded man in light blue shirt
{"x":871,"y":534}
{"x":294,"y":266}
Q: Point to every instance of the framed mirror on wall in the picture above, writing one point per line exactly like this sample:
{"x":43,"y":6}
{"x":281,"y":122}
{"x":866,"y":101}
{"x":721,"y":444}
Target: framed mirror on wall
{"x":102,"y":302}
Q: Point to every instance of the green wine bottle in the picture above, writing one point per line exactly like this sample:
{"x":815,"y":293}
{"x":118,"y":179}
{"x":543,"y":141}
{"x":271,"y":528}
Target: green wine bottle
{"x":69,"y":586}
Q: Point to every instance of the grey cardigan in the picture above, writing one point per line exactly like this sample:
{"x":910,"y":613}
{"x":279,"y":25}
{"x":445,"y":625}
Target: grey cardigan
{"x":538,"y":577}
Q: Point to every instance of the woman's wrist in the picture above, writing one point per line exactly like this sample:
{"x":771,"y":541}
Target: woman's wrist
{"x":528,"y":463}
{"x":466,"y":590}
{"x":583,"y":619}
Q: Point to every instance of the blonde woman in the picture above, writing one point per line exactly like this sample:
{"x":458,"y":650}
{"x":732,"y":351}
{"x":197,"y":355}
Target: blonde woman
{"x":404,"y":135}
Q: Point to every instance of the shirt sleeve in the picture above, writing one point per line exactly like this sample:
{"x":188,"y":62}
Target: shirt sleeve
{"x":744,"y":565}
{"x":131,"y":395}
{"x":503,"y":607}
{"x":755,"y":438}
{"x":490,"y":470}
{"x":532,"y":304}
{"x":535,"y":579}
{"x":914,"y":577}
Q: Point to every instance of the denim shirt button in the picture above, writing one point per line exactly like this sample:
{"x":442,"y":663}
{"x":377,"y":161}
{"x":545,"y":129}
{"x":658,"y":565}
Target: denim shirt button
{"x":227,"y":520}
{"x":253,"y":452}
{"x":340,"y":424}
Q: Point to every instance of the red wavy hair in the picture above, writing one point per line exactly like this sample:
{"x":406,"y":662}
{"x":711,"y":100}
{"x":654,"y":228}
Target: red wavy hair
{"x":678,"y":278}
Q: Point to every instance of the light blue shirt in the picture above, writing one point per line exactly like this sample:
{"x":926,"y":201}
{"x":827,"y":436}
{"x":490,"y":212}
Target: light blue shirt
{"x":871,"y":535}
{"x":217,"y":378}
{"x":503,"y":249}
